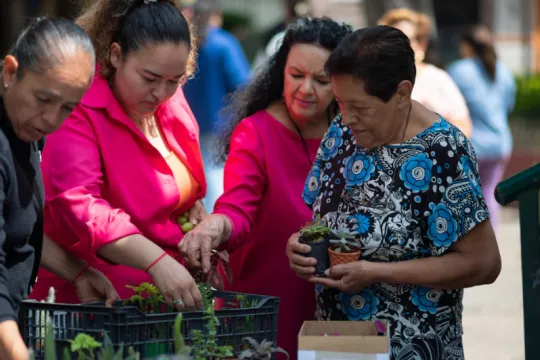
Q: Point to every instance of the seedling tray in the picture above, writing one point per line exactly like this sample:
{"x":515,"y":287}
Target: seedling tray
{"x":149,"y":334}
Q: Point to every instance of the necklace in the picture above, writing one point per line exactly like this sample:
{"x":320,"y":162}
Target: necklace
{"x":304,"y":143}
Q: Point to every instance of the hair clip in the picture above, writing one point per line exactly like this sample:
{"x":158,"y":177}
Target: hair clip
{"x":149,"y":1}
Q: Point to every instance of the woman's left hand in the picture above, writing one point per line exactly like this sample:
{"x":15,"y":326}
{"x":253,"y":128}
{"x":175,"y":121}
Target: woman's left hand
{"x":93,"y":286}
{"x":197,"y":213}
{"x":348,"y":278}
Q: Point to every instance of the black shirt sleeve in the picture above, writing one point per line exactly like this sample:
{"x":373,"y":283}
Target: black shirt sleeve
{"x":7,"y":311}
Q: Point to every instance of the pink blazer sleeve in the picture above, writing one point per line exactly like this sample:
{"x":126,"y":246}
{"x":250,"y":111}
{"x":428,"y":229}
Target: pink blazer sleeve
{"x":73,"y":190}
{"x":244,"y":182}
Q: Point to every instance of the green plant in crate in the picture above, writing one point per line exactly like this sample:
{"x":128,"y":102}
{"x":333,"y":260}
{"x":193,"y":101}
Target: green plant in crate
{"x":206,"y":346}
{"x":245,"y":302}
{"x":207,"y":293}
{"x":147,"y":297}
{"x":149,"y":300}
{"x":84,"y":346}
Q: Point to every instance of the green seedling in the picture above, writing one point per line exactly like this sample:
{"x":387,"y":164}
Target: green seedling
{"x":345,"y":243}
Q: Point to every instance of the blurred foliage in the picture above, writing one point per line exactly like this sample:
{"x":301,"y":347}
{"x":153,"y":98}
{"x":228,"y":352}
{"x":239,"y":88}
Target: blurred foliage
{"x":527,"y":97}
{"x":233,"y":20}
{"x":241,"y":26}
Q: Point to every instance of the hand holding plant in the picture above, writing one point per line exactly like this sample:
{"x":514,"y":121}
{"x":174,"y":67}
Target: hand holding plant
{"x":350,"y":278}
{"x":175,"y":283}
{"x":197,"y":245}
{"x":303,"y":266}
{"x":93,"y":286}
{"x":192,"y":217}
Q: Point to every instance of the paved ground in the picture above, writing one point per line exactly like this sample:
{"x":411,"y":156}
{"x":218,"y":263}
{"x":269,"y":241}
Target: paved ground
{"x":493,"y":315}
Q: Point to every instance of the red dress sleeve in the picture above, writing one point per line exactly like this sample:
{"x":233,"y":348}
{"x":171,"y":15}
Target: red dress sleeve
{"x":73,"y":180}
{"x":244,"y":181}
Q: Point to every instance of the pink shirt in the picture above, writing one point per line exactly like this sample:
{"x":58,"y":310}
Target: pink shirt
{"x":436,"y":90}
{"x":264,"y":178}
{"x":104,"y":180}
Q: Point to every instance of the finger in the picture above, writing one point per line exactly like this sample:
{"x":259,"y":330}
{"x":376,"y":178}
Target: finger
{"x":194,"y":253}
{"x":337,"y":271}
{"x":194,"y":215}
{"x":206,"y":253}
{"x":197,"y":297}
{"x":111,"y":294}
{"x":303,"y":270}
{"x":301,"y":260}
{"x":298,"y":248}
{"x":189,"y":303}
{"x":182,"y":245}
{"x":178,"y":306}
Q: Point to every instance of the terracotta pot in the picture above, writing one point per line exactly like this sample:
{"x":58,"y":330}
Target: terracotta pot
{"x":337,"y":258}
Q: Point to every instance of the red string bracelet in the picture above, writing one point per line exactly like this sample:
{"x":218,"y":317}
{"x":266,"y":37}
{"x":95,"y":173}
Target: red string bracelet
{"x":156,"y":261}
{"x":80,"y":273}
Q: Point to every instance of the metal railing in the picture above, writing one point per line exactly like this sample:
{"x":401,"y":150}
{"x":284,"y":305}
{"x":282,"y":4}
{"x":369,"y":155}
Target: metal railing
{"x":524,"y":188}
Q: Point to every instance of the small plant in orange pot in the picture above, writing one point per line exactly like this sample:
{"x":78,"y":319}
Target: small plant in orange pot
{"x":344,"y":249}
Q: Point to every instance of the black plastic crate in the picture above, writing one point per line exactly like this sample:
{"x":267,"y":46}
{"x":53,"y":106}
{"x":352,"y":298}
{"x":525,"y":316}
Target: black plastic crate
{"x":149,"y":334}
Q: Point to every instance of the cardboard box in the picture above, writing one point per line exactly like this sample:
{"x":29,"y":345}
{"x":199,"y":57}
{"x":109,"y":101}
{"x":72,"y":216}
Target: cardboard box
{"x":353,"y":340}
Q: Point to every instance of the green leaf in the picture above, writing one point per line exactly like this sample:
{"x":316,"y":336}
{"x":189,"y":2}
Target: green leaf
{"x":50,"y":346}
{"x":67,"y":354}
{"x":178,"y":338}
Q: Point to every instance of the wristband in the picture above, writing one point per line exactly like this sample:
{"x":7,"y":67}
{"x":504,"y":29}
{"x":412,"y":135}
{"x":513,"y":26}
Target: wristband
{"x":80,"y":273}
{"x":156,"y":261}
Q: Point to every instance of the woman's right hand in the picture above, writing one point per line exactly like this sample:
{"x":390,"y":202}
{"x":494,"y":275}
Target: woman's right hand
{"x":303,"y":266}
{"x":12,"y":346}
{"x":176,"y":284}
{"x":197,"y":245}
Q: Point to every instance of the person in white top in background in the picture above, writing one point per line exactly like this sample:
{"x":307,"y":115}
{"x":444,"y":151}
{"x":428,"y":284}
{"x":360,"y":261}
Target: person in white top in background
{"x":433,"y":88}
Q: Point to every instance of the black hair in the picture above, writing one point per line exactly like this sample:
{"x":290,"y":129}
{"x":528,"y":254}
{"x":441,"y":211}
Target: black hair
{"x":134,"y":24}
{"x":46,"y":42}
{"x":267,"y":84}
{"x":480,"y":40}
{"x":380,"y":56}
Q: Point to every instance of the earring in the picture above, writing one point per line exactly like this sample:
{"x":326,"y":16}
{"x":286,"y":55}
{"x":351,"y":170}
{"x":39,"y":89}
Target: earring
{"x":5,"y":86}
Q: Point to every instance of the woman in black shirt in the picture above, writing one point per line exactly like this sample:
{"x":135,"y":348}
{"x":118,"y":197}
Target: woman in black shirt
{"x":44,"y":76}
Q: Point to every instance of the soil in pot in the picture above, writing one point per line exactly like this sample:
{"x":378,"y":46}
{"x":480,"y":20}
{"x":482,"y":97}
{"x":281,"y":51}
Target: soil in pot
{"x":337,"y":258}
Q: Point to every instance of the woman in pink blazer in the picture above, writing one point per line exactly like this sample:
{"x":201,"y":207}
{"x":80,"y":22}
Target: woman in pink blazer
{"x":127,"y":162}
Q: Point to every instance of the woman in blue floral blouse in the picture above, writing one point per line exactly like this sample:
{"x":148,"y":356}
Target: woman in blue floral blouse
{"x":404,"y":182}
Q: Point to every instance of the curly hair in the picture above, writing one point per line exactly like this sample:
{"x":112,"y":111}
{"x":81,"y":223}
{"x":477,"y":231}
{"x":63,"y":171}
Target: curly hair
{"x":267,"y":84}
{"x":133,"y":24}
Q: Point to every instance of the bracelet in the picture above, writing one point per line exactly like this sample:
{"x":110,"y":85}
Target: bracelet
{"x":80,"y":273}
{"x":156,"y":261}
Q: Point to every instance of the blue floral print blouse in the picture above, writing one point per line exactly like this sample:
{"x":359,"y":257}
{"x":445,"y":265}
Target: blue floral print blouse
{"x":403,"y":202}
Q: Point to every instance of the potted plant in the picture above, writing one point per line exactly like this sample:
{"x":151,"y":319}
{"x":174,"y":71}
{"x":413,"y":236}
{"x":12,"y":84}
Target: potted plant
{"x":260,"y":351}
{"x":344,"y":249}
{"x":317,"y":237}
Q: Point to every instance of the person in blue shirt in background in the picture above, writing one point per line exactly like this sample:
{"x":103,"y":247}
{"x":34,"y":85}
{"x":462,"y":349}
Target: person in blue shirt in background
{"x":222,"y":67}
{"x":489,"y":89}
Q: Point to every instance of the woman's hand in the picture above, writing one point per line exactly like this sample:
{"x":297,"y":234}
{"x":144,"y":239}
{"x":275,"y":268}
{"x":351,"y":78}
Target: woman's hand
{"x":12,"y":346}
{"x":197,"y":213}
{"x":303,"y":266}
{"x":349,"y":278}
{"x":197,"y":245}
{"x":176,"y":284}
{"x":93,"y":286}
